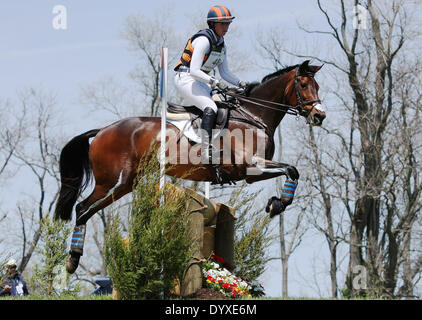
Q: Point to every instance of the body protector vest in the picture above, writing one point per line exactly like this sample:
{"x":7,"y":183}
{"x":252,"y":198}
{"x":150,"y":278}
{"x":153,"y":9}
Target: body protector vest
{"x":212,"y":59}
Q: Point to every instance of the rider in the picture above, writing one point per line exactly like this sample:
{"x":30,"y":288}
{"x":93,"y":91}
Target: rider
{"x":205,"y":51}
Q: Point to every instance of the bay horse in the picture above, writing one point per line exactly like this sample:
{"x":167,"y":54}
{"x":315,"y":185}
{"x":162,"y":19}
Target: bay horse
{"x":114,"y":154}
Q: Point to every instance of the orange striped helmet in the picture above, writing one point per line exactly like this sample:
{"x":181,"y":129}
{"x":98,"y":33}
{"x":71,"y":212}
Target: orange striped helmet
{"x":219,"y":14}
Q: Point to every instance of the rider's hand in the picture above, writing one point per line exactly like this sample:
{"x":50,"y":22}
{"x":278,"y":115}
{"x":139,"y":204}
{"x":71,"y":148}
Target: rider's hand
{"x":243,"y":84}
{"x":222,"y":85}
{"x":218,"y":84}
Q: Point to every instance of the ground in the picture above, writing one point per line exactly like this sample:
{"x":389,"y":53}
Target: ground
{"x":207,"y":294}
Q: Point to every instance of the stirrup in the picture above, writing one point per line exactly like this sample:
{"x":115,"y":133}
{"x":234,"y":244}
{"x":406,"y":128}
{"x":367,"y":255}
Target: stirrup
{"x":218,"y":175}
{"x":208,"y":156}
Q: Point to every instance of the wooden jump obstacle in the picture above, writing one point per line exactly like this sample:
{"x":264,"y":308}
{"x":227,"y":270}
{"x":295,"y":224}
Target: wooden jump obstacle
{"x":211,"y":228}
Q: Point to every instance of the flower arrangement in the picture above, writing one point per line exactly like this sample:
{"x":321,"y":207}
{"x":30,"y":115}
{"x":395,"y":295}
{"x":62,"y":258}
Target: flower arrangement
{"x":218,"y":277}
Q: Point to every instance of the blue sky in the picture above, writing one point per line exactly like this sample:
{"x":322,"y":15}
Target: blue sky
{"x":33,"y":53}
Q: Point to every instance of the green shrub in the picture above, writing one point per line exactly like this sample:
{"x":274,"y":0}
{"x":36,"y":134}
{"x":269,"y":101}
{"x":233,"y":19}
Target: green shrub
{"x":50,"y":277}
{"x":157,"y":251}
{"x":252,"y":235}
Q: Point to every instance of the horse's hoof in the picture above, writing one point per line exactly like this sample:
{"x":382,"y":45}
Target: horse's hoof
{"x":275,"y":206}
{"x":292,"y":173}
{"x":72,"y":263}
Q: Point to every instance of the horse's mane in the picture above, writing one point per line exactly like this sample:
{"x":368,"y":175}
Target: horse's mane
{"x":278,"y":73}
{"x":268,"y":77}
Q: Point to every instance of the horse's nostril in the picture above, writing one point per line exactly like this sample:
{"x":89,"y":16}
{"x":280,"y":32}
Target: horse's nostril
{"x":320,"y":116}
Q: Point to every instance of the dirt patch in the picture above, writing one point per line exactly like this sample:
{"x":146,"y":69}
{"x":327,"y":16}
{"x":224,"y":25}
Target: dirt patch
{"x":207,"y":294}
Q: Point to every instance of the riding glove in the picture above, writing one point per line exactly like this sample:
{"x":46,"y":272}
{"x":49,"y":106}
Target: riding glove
{"x":222,"y":86}
{"x":243,"y":84}
{"x":219,"y":84}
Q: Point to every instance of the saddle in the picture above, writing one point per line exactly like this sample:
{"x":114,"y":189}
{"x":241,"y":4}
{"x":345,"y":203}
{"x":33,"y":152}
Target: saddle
{"x":177,"y":112}
{"x":189,"y":118}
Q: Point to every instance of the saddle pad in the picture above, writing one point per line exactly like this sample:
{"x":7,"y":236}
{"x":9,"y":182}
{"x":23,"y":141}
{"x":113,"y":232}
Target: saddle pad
{"x":188,"y":119}
{"x":185,"y":126}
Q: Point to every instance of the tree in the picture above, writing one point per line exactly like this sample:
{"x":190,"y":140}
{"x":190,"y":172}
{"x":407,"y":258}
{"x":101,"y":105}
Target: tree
{"x":35,"y":154}
{"x":253,"y":235}
{"x":145,"y":36}
{"x":11,"y":136}
{"x":372,"y":166}
{"x":317,"y":199}
{"x":290,"y":230}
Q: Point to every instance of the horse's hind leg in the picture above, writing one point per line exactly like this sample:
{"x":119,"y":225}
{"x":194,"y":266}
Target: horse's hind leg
{"x":101,"y":197}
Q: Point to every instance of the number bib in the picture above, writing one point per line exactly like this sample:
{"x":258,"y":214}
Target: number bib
{"x":214,"y":59}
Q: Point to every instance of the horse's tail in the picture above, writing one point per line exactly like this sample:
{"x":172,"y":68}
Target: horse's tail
{"x":75,"y":173}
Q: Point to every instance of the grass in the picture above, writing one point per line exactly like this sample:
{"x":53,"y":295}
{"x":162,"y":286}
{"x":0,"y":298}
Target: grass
{"x":109,"y":297}
{"x":32,"y":297}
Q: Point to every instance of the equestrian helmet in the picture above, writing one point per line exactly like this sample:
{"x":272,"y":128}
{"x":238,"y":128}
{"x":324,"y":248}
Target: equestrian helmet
{"x":219,"y":14}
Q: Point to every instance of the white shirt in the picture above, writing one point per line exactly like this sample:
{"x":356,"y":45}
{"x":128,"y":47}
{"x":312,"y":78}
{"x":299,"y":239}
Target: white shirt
{"x":201,"y":46}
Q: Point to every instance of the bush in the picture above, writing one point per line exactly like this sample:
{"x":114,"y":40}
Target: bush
{"x":50,"y":277}
{"x":252,"y":235}
{"x":149,"y":263}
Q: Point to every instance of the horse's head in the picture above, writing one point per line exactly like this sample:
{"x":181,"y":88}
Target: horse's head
{"x":304,"y":95}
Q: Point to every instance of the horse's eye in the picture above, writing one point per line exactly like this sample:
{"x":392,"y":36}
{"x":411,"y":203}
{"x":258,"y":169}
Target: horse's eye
{"x":304,"y":85}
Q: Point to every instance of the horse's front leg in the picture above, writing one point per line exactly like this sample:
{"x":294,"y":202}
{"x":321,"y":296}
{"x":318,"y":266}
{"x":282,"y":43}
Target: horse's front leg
{"x":263,"y":169}
{"x":266,"y":169}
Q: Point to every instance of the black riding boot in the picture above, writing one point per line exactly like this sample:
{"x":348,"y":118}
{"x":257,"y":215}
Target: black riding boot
{"x":208,"y":121}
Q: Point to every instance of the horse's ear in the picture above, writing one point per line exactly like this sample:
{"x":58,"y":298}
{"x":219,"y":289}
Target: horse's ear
{"x":315,"y":69}
{"x":304,"y":66}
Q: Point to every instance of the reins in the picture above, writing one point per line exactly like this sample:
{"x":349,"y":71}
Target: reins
{"x":293,"y":110}
{"x":289,"y":109}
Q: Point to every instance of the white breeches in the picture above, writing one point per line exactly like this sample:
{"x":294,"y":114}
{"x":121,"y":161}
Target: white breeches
{"x":194,"y":91}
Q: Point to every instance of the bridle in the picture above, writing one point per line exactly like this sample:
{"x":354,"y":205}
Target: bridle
{"x":298,"y":109}
{"x":300,"y":103}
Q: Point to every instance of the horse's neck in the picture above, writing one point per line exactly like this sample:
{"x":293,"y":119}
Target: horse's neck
{"x":273,"y":91}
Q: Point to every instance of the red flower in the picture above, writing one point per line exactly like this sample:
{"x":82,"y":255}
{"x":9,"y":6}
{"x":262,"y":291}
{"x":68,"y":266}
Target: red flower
{"x":217,"y":258}
{"x":227,"y":266}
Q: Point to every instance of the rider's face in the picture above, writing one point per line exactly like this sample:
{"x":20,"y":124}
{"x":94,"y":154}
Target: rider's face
{"x":11,"y":270}
{"x":221,"y":28}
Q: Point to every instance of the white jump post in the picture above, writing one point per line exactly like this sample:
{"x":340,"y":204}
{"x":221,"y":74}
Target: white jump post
{"x":163,"y":95}
{"x":207,"y":189}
